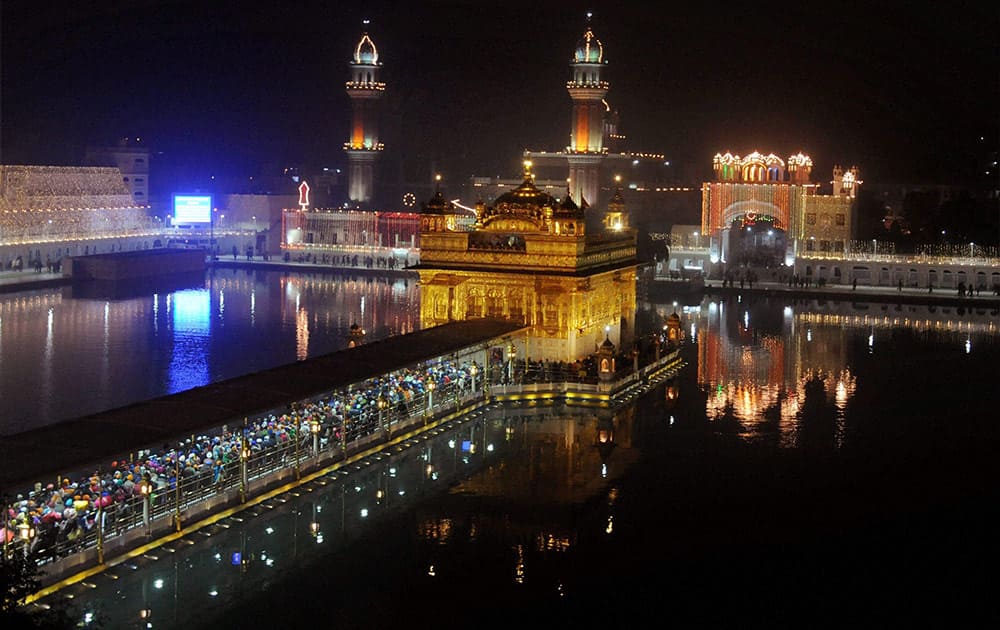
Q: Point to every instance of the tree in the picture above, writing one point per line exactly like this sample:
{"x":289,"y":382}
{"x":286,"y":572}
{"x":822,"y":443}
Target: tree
{"x":19,"y":578}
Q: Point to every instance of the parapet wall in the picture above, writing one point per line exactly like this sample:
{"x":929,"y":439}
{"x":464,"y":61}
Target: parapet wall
{"x":134,"y":265}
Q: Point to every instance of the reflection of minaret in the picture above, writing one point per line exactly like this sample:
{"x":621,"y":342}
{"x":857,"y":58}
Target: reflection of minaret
{"x":587,"y":90}
{"x":362,"y":149}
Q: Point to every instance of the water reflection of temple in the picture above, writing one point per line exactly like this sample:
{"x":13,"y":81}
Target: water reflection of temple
{"x":756,"y":358}
{"x":567,"y":274}
{"x":571,"y":458}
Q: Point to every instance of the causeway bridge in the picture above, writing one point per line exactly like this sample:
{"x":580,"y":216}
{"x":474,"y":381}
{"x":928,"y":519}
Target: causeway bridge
{"x":116,"y":483}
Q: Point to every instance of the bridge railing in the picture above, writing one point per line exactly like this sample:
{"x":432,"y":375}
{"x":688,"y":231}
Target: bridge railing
{"x":89,"y":528}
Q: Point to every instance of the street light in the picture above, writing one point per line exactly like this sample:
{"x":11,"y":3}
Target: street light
{"x":383,"y":422}
{"x":314,"y":427}
{"x":511,"y":354}
{"x":473,"y":371}
{"x":298,"y":438}
{"x":244,"y":459}
{"x":145,"y":491}
{"x":27,"y":533}
{"x":430,"y":394}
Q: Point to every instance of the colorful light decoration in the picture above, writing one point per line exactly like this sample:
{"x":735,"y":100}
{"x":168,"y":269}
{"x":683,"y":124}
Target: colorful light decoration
{"x":303,"y":195}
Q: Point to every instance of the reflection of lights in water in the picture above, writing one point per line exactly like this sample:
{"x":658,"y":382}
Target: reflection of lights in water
{"x":611,"y":524}
{"x":968,"y":346}
{"x":430,"y":571}
{"x":190,"y":312}
{"x":302,"y":334}
{"x":48,"y":333}
{"x":809,"y":334}
{"x":604,"y":470}
{"x":841,"y":395}
{"x":519,"y":565}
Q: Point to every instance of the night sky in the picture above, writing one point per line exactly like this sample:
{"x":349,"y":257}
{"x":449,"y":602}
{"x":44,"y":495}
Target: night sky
{"x":234,"y":87}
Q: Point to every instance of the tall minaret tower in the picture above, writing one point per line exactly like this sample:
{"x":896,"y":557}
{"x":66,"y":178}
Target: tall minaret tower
{"x":586,"y":138}
{"x":362,"y":149}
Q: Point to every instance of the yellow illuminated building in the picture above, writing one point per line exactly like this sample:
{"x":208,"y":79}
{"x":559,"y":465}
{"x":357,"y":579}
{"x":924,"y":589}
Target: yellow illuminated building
{"x":529,"y":257}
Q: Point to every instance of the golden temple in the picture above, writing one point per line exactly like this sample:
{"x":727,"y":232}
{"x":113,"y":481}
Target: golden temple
{"x":567,"y":274}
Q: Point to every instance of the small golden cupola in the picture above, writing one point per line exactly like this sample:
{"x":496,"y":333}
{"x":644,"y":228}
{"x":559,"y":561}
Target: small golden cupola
{"x":568,"y":219}
{"x":615,"y":218}
{"x":438,"y":214}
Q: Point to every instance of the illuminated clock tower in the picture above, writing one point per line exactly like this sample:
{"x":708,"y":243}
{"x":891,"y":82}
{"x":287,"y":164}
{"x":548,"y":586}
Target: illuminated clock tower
{"x":586,"y":150}
{"x":363,"y":147}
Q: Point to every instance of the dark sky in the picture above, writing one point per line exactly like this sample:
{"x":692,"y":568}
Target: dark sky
{"x":903,"y":91}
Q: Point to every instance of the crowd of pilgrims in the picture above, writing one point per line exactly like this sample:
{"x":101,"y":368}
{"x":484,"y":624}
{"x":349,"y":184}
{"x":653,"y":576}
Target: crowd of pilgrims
{"x":63,"y":513}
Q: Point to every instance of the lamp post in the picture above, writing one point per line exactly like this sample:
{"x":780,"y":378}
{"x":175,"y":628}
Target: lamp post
{"x":511,"y":355}
{"x":244,"y":458}
{"x":100,"y":532}
{"x":145,"y":490}
{"x":430,"y":395}
{"x":314,"y":427}
{"x":298,"y":425}
{"x":473,"y":371}
{"x":343,"y":433}
{"x":177,"y":493}
{"x":383,"y":419}
{"x":27,"y":533}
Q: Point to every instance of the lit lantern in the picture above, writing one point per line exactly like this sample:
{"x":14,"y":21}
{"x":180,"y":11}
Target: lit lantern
{"x":606,"y":360}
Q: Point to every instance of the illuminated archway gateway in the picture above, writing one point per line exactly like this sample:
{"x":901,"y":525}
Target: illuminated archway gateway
{"x":535,"y":259}
{"x":765,"y":190}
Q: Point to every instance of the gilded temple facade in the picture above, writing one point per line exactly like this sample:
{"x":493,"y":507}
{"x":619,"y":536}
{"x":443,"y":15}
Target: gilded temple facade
{"x":532,"y":258}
